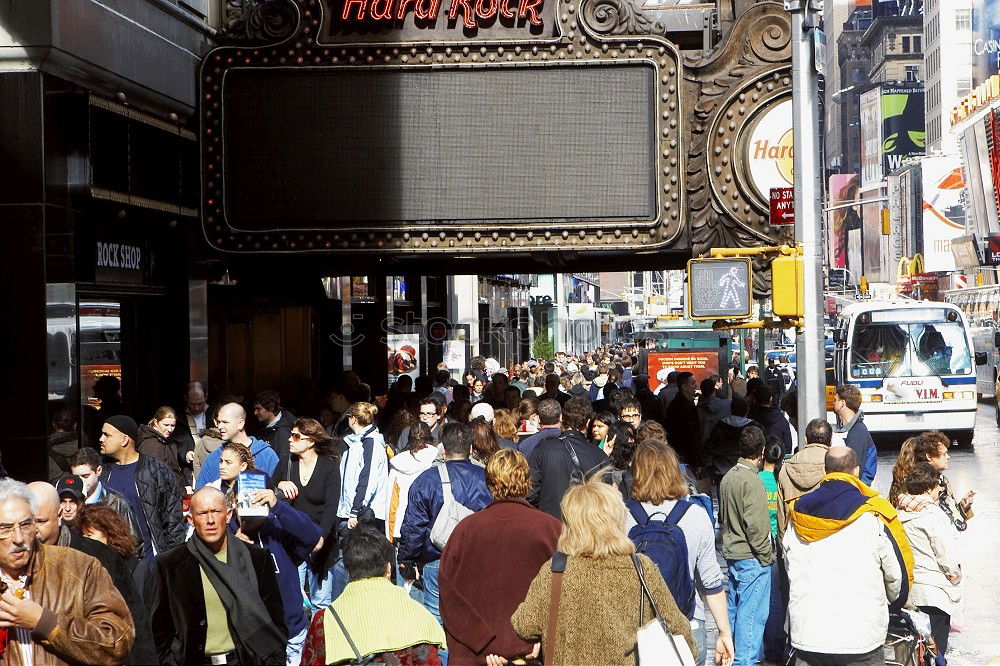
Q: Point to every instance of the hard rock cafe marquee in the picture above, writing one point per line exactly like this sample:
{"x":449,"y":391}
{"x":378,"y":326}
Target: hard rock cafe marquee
{"x":485,"y":126}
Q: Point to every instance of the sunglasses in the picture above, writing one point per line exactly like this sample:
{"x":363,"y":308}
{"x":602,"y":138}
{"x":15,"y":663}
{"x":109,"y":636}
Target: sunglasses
{"x":297,"y":436}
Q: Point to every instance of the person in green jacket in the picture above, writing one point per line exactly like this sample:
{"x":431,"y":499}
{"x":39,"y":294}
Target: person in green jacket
{"x":747,"y":545}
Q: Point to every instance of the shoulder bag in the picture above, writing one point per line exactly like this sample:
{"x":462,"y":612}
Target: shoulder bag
{"x":558,"y":567}
{"x":654,"y":644}
{"x":358,"y":659}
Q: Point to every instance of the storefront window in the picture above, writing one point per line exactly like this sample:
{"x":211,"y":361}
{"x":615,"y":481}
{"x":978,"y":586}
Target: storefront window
{"x":100,"y":354}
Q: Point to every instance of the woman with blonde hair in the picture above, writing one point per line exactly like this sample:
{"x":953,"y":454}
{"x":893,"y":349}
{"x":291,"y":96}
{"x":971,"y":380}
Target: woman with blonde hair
{"x":364,"y":470}
{"x":597,"y":615}
{"x":659,"y":491}
{"x":507,"y":541}
{"x":505,"y":427}
{"x":154,"y":441}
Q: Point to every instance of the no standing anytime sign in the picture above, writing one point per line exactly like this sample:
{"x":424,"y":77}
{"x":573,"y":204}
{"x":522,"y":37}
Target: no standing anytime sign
{"x":782,"y":206}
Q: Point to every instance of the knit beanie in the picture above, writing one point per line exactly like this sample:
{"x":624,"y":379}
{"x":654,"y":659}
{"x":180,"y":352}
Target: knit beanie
{"x":125,"y":425}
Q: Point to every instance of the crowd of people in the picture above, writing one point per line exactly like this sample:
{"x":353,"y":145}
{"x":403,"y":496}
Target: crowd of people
{"x":548,"y":513}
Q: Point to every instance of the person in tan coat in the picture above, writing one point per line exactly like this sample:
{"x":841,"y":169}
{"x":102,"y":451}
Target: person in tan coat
{"x":58,"y":605}
{"x":803,"y":472}
{"x":598,"y":613}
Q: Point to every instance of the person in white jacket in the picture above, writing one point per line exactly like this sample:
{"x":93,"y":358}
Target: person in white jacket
{"x":404,"y":468}
{"x":937,"y":572}
{"x":847,"y":560}
{"x":364,"y":469}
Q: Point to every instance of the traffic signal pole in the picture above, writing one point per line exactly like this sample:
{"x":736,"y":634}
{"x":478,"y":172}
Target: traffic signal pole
{"x":810,"y":361}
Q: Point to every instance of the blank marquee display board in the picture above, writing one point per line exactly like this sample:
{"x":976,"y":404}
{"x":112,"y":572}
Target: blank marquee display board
{"x":330,"y":148}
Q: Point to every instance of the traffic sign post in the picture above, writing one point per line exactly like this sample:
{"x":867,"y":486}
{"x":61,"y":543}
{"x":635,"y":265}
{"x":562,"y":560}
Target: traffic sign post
{"x":720,"y":289}
{"x":782,"y":206}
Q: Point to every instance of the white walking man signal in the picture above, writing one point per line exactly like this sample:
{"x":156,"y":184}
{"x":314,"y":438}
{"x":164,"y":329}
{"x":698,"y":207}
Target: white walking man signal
{"x":732,"y":288}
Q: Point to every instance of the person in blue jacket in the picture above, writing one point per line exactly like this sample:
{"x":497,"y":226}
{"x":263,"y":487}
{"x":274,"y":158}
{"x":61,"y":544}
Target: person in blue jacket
{"x":851,"y":428}
{"x":231,"y":423}
{"x":289,"y":535}
{"x":426,"y":497}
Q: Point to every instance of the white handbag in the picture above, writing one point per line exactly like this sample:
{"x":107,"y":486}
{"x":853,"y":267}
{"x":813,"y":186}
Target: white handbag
{"x":654,"y":643}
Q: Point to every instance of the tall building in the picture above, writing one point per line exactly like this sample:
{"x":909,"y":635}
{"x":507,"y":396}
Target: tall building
{"x":948,"y":49}
{"x":835,"y":13}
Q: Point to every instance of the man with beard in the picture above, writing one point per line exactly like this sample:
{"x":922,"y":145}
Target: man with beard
{"x":84,"y":620}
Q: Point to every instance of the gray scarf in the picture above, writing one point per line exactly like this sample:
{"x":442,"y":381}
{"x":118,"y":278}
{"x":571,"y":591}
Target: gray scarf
{"x":236,"y":584}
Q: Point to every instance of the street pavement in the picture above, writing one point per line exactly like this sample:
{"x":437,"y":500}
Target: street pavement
{"x":978,"y":642}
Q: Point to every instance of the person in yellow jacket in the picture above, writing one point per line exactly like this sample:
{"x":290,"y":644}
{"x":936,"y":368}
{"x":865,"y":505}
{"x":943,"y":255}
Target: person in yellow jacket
{"x":848,"y":561}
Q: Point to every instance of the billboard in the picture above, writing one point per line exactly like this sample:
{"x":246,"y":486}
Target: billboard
{"x":702,"y":364}
{"x":903,"y":132}
{"x":943,"y":211}
{"x":871,"y":139}
{"x":844,"y":229}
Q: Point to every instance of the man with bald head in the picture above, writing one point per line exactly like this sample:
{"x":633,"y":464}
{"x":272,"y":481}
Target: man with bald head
{"x":147,"y":484}
{"x":215,"y":599}
{"x":231,"y":423}
{"x":847,"y":559}
{"x":51,"y":530}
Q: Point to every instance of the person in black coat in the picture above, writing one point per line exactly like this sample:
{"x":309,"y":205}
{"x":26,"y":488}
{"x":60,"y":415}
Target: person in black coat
{"x":770,"y":417}
{"x":556,"y":461}
{"x":248,"y":592}
{"x":682,"y":423}
{"x":276,"y":421}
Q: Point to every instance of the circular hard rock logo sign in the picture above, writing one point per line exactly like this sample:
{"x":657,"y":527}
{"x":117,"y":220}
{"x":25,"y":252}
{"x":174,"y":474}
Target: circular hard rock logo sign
{"x":770,"y":150}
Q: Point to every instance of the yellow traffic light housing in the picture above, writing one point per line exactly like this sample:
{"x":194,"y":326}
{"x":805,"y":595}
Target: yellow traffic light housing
{"x":788,"y":286}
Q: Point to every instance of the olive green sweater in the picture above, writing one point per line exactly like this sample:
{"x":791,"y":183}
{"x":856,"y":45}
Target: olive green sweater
{"x":743,"y":515}
{"x":598,"y":610}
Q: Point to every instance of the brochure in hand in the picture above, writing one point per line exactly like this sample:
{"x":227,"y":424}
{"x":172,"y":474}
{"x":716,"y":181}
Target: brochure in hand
{"x":250,"y":482}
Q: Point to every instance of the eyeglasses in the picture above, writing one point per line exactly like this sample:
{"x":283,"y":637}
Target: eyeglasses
{"x":26,"y":527}
{"x":298,"y":436}
{"x":634,"y":416}
{"x":428,"y":413}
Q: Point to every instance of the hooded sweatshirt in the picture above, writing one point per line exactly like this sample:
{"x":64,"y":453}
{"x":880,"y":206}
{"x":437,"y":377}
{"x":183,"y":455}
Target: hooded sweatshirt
{"x":404,"y":468}
{"x":264,"y":459}
{"x":774,"y":423}
{"x":364,"y":470}
{"x":848,"y":559}
{"x":800,"y":474}
{"x":935,"y":553}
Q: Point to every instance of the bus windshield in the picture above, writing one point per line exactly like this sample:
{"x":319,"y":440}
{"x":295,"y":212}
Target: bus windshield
{"x":907,"y":349}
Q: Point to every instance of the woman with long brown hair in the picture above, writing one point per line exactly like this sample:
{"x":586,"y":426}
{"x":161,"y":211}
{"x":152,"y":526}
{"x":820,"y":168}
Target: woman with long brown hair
{"x":309,"y":478}
{"x":102,"y":523}
{"x":484,"y":441}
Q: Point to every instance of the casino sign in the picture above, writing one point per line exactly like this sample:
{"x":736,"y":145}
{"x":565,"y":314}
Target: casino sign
{"x":484,"y":127}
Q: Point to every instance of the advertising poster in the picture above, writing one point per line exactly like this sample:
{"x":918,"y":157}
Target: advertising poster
{"x":943,"y":211}
{"x":902,"y":125}
{"x":871,"y":239}
{"x":845,"y":223}
{"x":404,"y":356}
{"x":702,"y":364}
{"x":454,"y":354}
{"x":770,"y":150}
{"x":871,"y":139}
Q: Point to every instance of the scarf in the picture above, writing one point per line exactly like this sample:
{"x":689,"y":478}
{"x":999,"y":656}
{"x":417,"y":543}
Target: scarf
{"x":838,"y":501}
{"x":380,"y":617}
{"x":236,"y":584}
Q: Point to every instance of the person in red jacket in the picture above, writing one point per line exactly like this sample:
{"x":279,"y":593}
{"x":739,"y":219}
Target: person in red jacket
{"x":489,"y":563}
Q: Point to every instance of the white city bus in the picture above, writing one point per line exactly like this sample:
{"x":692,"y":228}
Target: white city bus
{"x":914,"y":363}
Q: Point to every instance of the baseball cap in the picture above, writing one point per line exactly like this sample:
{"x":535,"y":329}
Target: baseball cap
{"x":70,"y":484}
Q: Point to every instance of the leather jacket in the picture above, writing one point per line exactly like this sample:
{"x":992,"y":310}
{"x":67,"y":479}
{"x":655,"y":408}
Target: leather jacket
{"x":84,"y":618}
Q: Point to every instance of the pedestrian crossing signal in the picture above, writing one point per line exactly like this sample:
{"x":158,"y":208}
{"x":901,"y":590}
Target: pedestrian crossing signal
{"x":719,"y":289}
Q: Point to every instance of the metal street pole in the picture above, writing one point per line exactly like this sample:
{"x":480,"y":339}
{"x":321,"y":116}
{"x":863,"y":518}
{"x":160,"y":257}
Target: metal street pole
{"x":810,"y":362}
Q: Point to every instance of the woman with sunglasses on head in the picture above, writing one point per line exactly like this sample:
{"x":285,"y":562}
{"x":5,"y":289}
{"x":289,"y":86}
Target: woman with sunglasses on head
{"x":310,"y":480}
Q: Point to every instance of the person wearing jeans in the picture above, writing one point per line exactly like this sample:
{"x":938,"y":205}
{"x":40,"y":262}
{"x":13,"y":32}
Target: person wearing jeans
{"x":747,"y":546}
{"x":749,"y":600}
